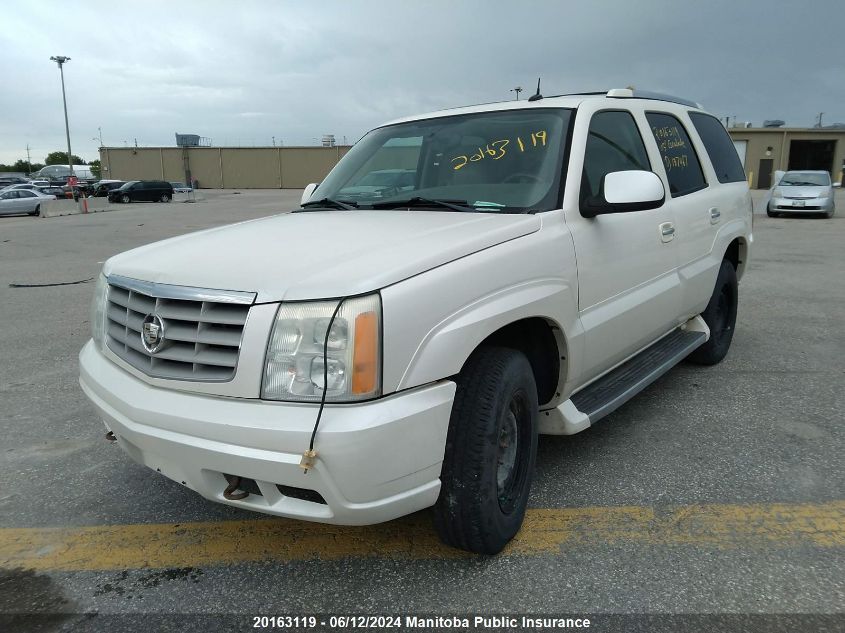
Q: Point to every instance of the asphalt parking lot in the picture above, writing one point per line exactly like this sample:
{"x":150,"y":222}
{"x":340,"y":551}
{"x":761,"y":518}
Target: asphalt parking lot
{"x":717,"y":490}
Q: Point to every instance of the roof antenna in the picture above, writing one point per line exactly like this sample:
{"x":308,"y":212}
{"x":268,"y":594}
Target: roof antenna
{"x":537,"y":96}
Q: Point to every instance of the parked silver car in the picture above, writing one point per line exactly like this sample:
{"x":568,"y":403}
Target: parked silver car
{"x":54,"y":192}
{"x":802,"y":192}
{"x":180,"y":187}
{"x":22,"y":201}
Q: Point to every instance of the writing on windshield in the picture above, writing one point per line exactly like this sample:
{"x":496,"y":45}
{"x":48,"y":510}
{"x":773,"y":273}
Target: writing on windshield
{"x":496,"y":150}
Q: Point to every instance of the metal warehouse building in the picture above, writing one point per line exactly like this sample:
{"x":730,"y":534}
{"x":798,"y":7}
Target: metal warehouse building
{"x":762,"y":150}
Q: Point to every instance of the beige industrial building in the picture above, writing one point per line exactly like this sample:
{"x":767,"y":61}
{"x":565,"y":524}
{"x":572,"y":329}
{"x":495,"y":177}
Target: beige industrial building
{"x":766,"y":150}
{"x":762,"y":150}
{"x":223,"y":167}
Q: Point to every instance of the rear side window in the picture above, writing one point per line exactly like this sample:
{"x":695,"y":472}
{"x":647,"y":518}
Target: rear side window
{"x":719,"y":147}
{"x":683,"y":169}
{"x":613,"y":144}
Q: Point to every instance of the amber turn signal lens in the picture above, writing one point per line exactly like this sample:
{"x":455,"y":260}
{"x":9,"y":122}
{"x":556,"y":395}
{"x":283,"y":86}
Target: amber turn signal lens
{"x":365,"y":356}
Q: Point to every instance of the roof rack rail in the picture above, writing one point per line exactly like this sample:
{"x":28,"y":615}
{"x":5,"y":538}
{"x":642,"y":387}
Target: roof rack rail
{"x":627,"y":93}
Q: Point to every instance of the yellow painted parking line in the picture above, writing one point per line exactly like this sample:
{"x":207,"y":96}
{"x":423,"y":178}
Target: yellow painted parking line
{"x":546,"y":531}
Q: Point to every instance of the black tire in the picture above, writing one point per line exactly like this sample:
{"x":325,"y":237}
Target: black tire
{"x":165,"y":197}
{"x":125,"y":199}
{"x":772,"y":214}
{"x":37,"y":210}
{"x":482,"y":502}
{"x":720,"y":316}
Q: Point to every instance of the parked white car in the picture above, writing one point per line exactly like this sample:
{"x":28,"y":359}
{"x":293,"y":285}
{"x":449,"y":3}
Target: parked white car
{"x":15,"y":201}
{"x":373,"y":357}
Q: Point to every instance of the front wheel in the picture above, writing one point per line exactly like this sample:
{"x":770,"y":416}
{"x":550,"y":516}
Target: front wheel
{"x":720,"y":316}
{"x":124,"y":198}
{"x":490,"y":452}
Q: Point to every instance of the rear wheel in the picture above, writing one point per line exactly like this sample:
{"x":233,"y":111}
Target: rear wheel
{"x":490,"y":452}
{"x":720,"y":316}
{"x":37,"y":210}
{"x":165,"y":197}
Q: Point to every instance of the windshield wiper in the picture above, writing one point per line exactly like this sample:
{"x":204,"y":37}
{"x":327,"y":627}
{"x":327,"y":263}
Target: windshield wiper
{"x":455,"y":205}
{"x":330,"y":203}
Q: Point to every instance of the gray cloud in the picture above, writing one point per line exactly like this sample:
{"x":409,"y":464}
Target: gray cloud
{"x":244,"y":72}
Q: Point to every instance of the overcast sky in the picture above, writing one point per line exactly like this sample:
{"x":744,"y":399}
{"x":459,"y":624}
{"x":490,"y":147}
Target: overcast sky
{"x":243,"y":72}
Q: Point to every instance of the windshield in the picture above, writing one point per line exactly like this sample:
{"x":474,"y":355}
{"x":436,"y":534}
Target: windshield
{"x":490,"y":161}
{"x":803,"y":178}
{"x":127,"y":185}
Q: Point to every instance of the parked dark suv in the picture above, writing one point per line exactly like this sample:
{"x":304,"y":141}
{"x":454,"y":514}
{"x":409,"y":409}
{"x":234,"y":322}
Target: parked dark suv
{"x":150,"y":190}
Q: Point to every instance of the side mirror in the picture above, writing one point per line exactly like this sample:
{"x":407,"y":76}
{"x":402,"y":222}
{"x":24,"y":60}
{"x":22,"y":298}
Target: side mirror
{"x":306,"y":193}
{"x":624,"y":191}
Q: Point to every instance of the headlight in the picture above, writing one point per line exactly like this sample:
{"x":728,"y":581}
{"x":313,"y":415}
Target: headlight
{"x":98,"y":311}
{"x":294,"y":369}
{"x":777,"y":193}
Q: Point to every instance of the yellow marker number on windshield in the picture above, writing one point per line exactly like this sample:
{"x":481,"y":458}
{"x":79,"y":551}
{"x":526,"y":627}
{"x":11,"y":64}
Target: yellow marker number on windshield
{"x":496,"y":150}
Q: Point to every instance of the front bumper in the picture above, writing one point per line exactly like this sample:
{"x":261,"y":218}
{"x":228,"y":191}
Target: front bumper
{"x":806,"y":205}
{"x":376,"y":461}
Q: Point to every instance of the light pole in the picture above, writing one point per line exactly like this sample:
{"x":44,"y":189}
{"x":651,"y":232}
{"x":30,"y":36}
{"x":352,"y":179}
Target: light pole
{"x":517,"y":90}
{"x":61,"y":60}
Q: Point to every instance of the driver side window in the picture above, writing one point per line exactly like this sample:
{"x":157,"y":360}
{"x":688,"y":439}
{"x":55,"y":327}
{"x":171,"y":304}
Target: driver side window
{"x":613,"y":144}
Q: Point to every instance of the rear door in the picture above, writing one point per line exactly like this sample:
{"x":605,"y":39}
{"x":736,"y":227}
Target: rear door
{"x":696,"y":214}
{"x":28,"y":200}
{"x":628,"y":290}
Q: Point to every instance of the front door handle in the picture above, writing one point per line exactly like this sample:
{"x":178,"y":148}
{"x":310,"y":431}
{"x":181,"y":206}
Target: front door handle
{"x":715,"y":214}
{"x":667,"y":232}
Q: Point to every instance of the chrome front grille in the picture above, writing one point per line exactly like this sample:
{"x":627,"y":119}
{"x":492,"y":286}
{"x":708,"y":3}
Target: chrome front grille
{"x":202,"y":328}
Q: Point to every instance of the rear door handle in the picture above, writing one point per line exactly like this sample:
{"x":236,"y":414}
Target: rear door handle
{"x":667,"y":232}
{"x":715,"y":214}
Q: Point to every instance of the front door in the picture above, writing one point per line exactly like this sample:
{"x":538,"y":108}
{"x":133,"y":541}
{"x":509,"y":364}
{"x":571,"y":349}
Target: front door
{"x":764,"y":174}
{"x":628,"y":288}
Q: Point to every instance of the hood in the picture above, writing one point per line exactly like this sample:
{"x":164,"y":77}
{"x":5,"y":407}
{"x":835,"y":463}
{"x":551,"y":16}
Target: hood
{"x":319,"y":254}
{"x":804,"y":191}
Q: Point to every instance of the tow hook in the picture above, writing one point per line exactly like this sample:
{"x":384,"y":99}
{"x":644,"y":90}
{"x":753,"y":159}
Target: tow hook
{"x":230,"y":494}
{"x":111,"y":437}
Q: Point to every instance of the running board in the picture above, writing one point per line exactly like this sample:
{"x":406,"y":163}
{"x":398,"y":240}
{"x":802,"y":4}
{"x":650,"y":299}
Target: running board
{"x":615,"y":388}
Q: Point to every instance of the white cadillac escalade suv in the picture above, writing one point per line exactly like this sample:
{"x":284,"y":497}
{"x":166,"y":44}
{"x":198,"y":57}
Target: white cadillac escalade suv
{"x":400,"y":343}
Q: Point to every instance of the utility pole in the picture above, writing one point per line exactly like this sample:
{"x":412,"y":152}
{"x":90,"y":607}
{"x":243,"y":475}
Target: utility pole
{"x":61,"y":60}
{"x":100,"y":134}
{"x":274,"y":141}
{"x":28,"y":161}
{"x":517,"y":90}
{"x":820,"y":119}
